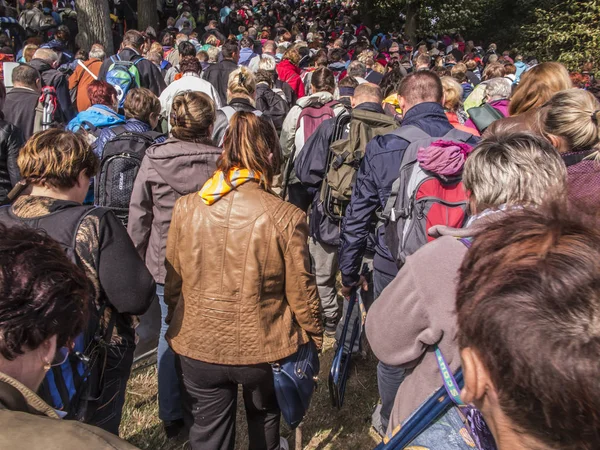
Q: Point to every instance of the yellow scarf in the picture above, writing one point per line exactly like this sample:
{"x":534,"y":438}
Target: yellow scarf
{"x":216,"y":188}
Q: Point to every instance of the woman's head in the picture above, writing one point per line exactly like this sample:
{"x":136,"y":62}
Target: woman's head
{"x":43,"y":305}
{"x":190,"y":64}
{"x":322,"y":80}
{"x":143,"y":105}
{"x":102,"y":93}
{"x":453,"y":93}
{"x":497,"y":89}
{"x":538,"y":85}
{"x":513,"y":169}
{"x":251,"y":143}
{"x":570,"y":120}
{"x":292,"y":55}
{"x":495,"y":70}
{"x":192,"y":117}
{"x":242,"y":83}
{"x":528,"y":309}
{"x":58,"y":160}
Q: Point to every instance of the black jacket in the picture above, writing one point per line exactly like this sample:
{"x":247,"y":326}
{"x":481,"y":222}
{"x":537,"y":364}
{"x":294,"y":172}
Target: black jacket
{"x":218,"y":76}
{"x":272,"y":105}
{"x":150,"y":76}
{"x":19,"y":109}
{"x":374,"y":77}
{"x":56,"y":79}
{"x":11,"y":141}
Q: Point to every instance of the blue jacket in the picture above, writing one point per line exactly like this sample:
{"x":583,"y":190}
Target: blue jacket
{"x":378,"y":171}
{"x":521,"y":69}
{"x":100,"y":116}
{"x":311,"y":169}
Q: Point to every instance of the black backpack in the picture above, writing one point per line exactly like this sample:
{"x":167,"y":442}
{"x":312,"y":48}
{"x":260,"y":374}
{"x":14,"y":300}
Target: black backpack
{"x":121,"y":160}
{"x":75,"y":387}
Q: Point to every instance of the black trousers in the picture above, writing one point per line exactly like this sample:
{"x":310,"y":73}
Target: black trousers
{"x":118,"y":368}
{"x":210,"y":404}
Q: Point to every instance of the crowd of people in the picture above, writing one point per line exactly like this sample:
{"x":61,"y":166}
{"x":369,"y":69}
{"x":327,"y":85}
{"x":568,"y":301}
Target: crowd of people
{"x":233,"y":163}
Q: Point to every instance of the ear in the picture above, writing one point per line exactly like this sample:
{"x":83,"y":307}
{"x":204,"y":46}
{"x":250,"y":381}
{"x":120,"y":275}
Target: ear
{"x":352,"y":102}
{"x":443,"y":99}
{"x":47,"y":350}
{"x":402,"y":104}
{"x":556,"y":141}
{"x":477,"y":380}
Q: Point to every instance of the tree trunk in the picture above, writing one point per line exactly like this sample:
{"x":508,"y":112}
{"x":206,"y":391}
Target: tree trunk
{"x":412,"y":11}
{"x":147,"y":14}
{"x":367,"y":9}
{"x":93,"y":18}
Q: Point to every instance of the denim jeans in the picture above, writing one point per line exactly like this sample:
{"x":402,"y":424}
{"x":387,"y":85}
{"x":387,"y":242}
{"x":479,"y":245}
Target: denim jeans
{"x":389,"y":378}
{"x":169,"y":388}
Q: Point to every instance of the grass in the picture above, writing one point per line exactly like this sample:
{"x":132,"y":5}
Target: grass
{"x":324,"y":428}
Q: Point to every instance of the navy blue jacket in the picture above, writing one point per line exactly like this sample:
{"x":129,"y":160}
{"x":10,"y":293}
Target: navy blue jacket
{"x":311,"y":169}
{"x":378,"y":171}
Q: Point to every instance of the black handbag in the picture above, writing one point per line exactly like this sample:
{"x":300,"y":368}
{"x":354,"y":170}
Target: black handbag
{"x":484,"y":115}
{"x":295,"y":381}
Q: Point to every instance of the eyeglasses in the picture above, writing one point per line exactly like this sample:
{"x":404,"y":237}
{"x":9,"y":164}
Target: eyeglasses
{"x":61,"y":356}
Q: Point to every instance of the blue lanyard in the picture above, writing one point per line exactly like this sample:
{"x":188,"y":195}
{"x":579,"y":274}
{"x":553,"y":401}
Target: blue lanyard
{"x":449,"y":381}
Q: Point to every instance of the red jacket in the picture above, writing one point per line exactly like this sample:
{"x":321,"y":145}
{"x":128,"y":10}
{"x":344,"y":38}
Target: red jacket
{"x":289,"y":73}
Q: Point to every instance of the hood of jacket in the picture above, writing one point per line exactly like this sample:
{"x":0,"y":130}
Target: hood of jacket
{"x":337,"y":66}
{"x":313,"y":99}
{"x":175,"y":161}
{"x":100,"y":116}
{"x":245,"y":55}
{"x":40,"y":65}
{"x":285,"y":69}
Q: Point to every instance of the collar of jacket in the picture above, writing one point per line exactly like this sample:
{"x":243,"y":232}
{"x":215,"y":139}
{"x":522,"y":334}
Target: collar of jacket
{"x":371,"y":106}
{"x":128,"y":53}
{"x":475,"y":225}
{"x":422,"y":110}
{"x":15,"y":396}
{"x":241,"y":101}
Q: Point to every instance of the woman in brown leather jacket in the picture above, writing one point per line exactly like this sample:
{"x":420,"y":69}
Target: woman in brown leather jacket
{"x":239,"y":290}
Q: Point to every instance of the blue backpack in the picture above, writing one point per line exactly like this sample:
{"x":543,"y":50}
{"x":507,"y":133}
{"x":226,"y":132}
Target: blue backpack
{"x":75,"y":387}
{"x":123,"y":76}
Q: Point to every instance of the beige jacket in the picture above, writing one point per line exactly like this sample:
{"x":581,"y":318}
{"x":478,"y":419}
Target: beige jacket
{"x":238,"y":286}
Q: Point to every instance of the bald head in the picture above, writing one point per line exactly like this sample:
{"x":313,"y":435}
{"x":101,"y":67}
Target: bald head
{"x":367,"y":93}
{"x":420,"y":87}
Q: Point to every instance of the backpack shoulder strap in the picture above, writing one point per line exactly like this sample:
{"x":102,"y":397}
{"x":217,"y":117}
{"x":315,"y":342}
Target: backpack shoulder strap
{"x":410,"y":133}
{"x":457,"y":135}
{"x":257,"y":112}
{"x":87,"y":69}
{"x":229,"y":111}
{"x":118,"y":130}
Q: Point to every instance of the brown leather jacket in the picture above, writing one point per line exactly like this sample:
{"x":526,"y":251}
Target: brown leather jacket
{"x":238,"y":286}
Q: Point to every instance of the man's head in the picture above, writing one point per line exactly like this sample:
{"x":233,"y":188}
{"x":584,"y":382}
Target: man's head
{"x":186,"y":49}
{"x":347,"y":86}
{"x":419,"y":87}
{"x":133,"y":39}
{"x":336,"y":55}
{"x":270,"y":48}
{"x":48,"y":56}
{"x":230,"y":50}
{"x":26,"y":76}
{"x":422,"y":62}
{"x":246,"y":42}
{"x":357,"y":69}
{"x":367,"y":93}
{"x":528,"y":308}
{"x":181,"y":37}
{"x":97,"y":51}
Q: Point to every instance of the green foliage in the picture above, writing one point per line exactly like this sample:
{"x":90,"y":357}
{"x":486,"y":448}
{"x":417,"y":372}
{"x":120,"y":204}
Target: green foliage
{"x":568,"y":32}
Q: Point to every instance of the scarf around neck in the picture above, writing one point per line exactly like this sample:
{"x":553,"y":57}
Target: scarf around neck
{"x":217,"y":187}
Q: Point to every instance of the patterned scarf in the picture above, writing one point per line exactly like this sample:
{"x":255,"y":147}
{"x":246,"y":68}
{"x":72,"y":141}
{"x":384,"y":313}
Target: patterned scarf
{"x":216,"y":188}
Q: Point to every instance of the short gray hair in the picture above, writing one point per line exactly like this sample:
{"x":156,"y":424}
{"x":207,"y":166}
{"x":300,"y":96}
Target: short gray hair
{"x":97,"y":51}
{"x":514,"y":169}
{"x":46,"y":54}
{"x":267,"y":63}
{"x":357,"y":69}
{"x":213,"y":54}
{"x":498,"y":88}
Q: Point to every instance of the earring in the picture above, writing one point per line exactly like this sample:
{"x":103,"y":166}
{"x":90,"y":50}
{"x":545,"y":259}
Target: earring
{"x":47,"y":366}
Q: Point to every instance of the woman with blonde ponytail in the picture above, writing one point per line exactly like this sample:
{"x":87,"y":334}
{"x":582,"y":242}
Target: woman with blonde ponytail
{"x":240,"y":291}
{"x":570,"y":121}
{"x":241,"y":94}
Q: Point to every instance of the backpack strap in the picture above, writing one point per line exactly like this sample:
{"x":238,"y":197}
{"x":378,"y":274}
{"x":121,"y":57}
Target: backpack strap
{"x":86,"y":68}
{"x":410,"y":133}
{"x":457,"y":135}
{"x":229,"y":111}
{"x":118,"y":130}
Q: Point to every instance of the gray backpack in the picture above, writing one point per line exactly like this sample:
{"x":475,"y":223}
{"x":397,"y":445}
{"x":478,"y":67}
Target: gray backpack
{"x":421,"y":199}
